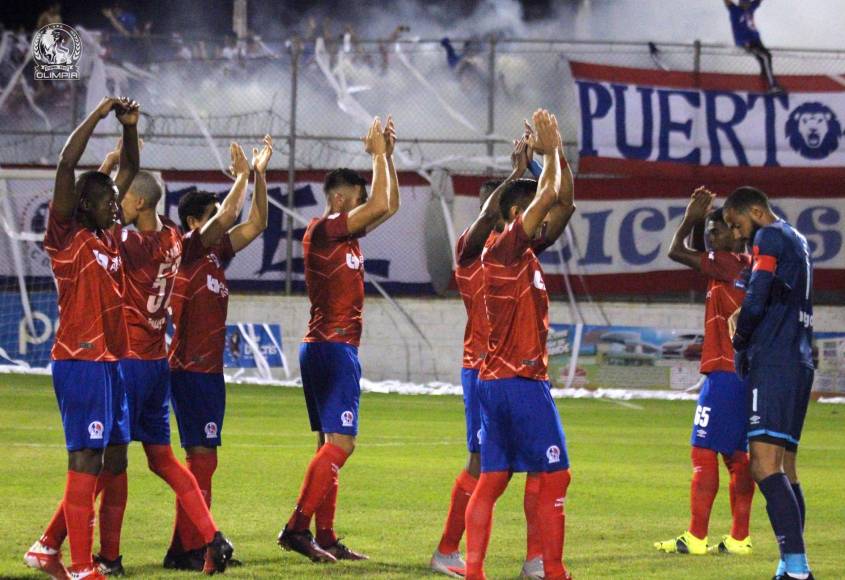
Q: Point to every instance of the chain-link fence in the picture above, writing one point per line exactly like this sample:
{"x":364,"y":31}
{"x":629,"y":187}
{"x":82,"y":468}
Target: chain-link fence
{"x":456,"y":107}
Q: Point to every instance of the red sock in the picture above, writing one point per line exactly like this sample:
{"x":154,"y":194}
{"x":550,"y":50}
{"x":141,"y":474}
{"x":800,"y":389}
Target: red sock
{"x":79,"y":515}
{"x":456,"y":517}
{"x":552,"y":516}
{"x":705,"y":484}
{"x":56,"y":531}
{"x":534,"y":543}
{"x":324,"y":516}
{"x":112,"y":507}
{"x":479,"y":519}
{"x":163,"y":463}
{"x":742,"y":492}
{"x":202,"y":466}
{"x":318,"y":479}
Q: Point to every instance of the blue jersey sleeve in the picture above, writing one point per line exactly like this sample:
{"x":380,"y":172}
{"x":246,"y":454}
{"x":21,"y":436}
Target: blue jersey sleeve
{"x":768,"y":247}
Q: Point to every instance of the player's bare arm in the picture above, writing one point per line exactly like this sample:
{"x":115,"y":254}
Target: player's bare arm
{"x":376,"y":206}
{"x":128,"y":112}
{"x":546,"y":139}
{"x":230,"y":208}
{"x":112,"y":158}
{"x":65,"y":196}
{"x":698,"y":207}
{"x":393,"y":191}
{"x":561,"y":212}
{"x":242,"y":234}
{"x":480,"y":229}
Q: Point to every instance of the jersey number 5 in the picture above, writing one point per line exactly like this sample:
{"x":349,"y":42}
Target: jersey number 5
{"x":155,"y":301}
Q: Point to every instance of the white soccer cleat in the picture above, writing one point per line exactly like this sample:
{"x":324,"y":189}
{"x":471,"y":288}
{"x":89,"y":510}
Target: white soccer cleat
{"x":450,"y":564}
{"x":47,"y":560}
{"x":533,"y":568}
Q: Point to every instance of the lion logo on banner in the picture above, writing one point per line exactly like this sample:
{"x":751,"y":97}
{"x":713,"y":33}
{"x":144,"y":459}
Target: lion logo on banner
{"x":813,"y":130}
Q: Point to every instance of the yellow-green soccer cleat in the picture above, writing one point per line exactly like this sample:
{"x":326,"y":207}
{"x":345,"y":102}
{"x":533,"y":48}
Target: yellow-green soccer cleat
{"x":729,"y":545}
{"x":686,"y":543}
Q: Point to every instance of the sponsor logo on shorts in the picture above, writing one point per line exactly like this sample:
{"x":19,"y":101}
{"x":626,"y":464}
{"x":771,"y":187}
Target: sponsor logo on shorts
{"x":95,"y":430}
{"x":478,"y":436}
{"x":211,"y":430}
{"x":347,"y":418}
{"x":701,"y":433}
{"x":755,"y":419}
{"x":553,"y":454}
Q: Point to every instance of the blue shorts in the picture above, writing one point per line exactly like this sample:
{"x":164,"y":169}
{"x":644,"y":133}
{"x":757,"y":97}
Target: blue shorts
{"x":778,"y":398}
{"x":331,"y":380}
{"x":92,"y":403}
{"x":520,"y":427}
{"x":721,"y":414}
{"x":147,"y":384}
{"x":199,"y":403}
{"x":472,"y":409}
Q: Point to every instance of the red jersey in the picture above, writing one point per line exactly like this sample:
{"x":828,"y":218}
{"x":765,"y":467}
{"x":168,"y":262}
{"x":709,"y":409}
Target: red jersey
{"x":470,"y":281}
{"x":90,"y":282}
{"x":152,"y":260}
{"x":725,"y":292}
{"x":199,"y":307}
{"x":334,"y":276}
{"x":517,"y":307}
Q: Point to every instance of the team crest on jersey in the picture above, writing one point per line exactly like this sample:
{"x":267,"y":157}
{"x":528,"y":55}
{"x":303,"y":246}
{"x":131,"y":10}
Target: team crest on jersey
{"x":95,"y":430}
{"x":353,"y":262}
{"x":553,"y":454}
{"x":538,"y":280}
{"x":211,"y":430}
{"x":108,"y":264}
{"x":347,"y":418}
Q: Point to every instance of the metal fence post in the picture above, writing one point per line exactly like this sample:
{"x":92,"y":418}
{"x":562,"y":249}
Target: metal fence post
{"x":294,"y":48}
{"x":491,"y":96}
{"x":696,"y":56}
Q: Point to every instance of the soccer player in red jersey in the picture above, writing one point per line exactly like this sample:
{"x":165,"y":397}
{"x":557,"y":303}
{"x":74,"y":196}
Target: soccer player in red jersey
{"x":520,"y":425}
{"x":328,"y":356}
{"x":91,"y":337}
{"x":719,"y":425}
{"x":199,"y":307}
{"x":468,"y":276}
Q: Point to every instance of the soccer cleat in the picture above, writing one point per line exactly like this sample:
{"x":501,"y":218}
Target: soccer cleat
{"x":729,"y":545}
{"x":303,"y":543}
{"x":190,"y":560}
{"x":46,"y":559}
{"x":342,"y":552}
{"x":110,"y":567}
{"x":450,"y":564}
{"x":87,"y":574}
{"x":218,"y":552}
{"x":533,"y":568}
{"x":686,"y":543}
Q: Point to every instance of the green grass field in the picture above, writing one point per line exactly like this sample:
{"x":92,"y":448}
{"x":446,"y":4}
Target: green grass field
{"x":630,"y":487}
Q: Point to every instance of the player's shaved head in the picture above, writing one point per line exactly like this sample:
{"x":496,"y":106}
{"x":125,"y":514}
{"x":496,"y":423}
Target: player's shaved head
{"x":146,"y":187}
{"x":518,"y":193}
{"x":93,"y":186}
{"x":194,"y":204}
{"x":746,"y":197}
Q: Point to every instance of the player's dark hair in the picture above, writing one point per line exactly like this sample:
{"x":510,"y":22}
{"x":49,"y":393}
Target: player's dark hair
{"x":193,"y":204}
{"x":717,"y":216}
{"x":343,"y":176}
{"x":93,"y":186}
{"x":746,"y":197}
{"x":487,"y":188}
{"x":519,"y":193}
{"x":146,"y":186}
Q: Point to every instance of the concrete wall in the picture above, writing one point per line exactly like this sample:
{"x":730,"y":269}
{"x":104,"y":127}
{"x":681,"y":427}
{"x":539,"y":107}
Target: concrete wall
{"x":391,"y":349}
